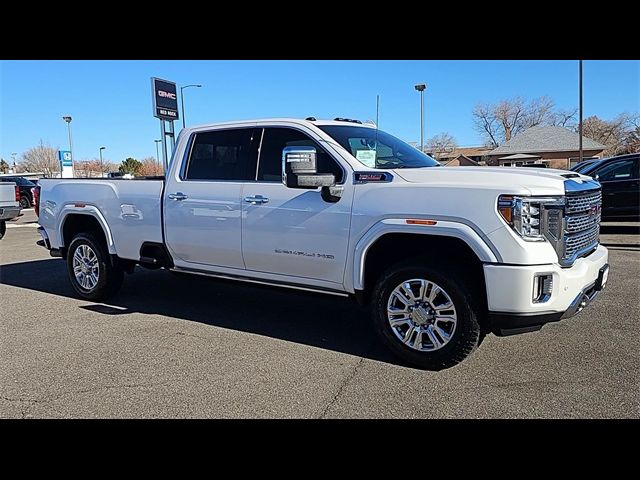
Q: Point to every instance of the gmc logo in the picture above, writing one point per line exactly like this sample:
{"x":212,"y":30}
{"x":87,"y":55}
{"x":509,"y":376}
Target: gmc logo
{"x":162,"y":93}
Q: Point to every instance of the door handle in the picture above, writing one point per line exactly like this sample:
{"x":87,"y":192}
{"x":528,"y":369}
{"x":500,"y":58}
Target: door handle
{"x":256,"y":199}
{"x":177,"y":196}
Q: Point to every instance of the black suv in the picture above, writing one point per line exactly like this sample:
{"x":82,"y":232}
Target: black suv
{"x":620,"y":180}
{"x":24,"y":185}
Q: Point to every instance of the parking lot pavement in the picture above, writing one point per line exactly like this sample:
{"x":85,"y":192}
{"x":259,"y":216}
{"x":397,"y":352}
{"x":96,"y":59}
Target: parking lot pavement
{"x":175,"y":346}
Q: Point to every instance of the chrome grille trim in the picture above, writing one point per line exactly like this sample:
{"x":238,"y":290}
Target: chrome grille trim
{"x":580,"y":241}
{"x":582,"y":203}
{"x":581,"y":223}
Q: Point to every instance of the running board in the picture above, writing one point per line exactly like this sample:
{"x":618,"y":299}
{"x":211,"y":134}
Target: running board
{"x":260,"y":282}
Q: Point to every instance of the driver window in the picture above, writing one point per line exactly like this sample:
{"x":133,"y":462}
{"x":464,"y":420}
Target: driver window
{"x":623,"y":170}
{"x":276,"y":139}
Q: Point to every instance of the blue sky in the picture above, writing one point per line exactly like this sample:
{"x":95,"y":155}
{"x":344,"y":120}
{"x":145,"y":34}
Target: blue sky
{"x":110,"y":101}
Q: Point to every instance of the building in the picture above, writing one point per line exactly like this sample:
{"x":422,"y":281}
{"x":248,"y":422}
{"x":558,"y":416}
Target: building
{"x":557,"y":147}
{"x":460,"y":161}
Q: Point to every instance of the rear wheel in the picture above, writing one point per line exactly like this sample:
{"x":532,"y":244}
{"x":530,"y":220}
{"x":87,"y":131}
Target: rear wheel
{"x":427,"y":318}
{"x":24,"y":202}
{"x":3,"y":228}
{"x":90,"y":269}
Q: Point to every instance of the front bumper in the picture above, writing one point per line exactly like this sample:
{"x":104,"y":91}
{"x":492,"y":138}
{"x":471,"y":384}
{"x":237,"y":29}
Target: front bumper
{"x":510,"y":292}
{"x":503,"y":324}
{"x":7,"y":213}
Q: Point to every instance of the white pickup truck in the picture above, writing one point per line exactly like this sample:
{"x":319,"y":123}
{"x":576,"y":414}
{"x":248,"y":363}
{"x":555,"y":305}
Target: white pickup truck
{"x":9,"y":204}
{"x":442,"y":256}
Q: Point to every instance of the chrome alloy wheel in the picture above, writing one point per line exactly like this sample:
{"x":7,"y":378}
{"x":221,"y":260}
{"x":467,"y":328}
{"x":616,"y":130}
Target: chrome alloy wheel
{"x":85,"y":267}
{"x":421,"y":315}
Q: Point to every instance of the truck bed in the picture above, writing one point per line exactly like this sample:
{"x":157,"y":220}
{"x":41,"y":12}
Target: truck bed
{"x":128,"y":210}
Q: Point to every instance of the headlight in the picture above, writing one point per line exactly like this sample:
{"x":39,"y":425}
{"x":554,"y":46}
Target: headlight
{"x":533,"y":218}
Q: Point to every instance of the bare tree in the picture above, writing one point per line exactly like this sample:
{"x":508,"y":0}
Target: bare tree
{"x":440,"y":144}
{"x":94,"y":168}
{"x":151,"y":167}
{"x":539,"y":112}
{"x":501,"y":121}
{"x":486,"y":123}
{"x":616,"y":134}
{"x":565,"y":118}
{"x":42,"y":158}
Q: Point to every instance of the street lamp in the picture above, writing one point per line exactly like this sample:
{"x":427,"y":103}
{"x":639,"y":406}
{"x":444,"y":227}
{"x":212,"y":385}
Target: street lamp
{"x":182,"y":99}
{"x":101,"y":166}
{"x":421,"y":87}
{"x":67,"y":119}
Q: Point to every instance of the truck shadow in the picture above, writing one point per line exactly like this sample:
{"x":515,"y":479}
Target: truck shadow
{"x":317,"y":320}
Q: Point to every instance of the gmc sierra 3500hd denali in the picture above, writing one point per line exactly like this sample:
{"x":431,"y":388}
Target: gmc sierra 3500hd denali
{"x":443,"y":256}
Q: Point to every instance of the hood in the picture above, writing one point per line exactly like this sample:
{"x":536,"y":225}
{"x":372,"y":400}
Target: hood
{"x":531,"y":181}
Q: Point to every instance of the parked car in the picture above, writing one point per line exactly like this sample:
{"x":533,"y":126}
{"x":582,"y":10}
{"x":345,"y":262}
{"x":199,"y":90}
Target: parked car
{"x":9,"y":204}
{"x":580,"y":166}
{"x":620,"y":180}
{"x":442,"y":256}
{"x":25,"y":185}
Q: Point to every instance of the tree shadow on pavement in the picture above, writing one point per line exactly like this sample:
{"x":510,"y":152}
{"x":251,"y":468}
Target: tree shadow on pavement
{"x":321,"y":321}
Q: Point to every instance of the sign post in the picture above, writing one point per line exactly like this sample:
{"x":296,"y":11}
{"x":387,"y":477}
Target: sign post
{"x":165,"y":107}
{"x":66,"y":164}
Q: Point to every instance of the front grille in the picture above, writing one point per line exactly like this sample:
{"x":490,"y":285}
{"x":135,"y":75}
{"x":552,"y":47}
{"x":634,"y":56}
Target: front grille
{"x":582,"y":203}
{"x":582,"y":225}
{"x":580,"y":241}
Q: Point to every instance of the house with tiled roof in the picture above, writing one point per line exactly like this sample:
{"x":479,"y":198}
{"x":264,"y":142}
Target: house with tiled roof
{"x":557,"y":147}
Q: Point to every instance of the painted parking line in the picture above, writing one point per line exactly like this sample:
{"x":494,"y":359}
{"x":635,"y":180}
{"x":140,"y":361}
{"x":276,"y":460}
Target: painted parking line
{"x":23,"y":225}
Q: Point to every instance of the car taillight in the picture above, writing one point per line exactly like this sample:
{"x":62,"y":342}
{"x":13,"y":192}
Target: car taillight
{"x":35,"y":194}
{"x":17,"y":194}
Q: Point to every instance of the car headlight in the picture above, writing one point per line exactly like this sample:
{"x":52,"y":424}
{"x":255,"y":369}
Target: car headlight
{"x":533,"y":218}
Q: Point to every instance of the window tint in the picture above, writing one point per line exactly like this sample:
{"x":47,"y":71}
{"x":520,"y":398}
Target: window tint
{"x":276,"y":139}
{"x":623,"y":170}
{"x":224,"y":155}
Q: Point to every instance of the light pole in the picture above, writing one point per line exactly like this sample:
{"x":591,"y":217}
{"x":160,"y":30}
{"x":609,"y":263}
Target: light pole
{"x":421,"y":87}
{"x":580,"y":121}
{"x":14,"y":161}
{"x":101,"y":166}
{"x":182,"y":100}
{"x":157,"y":142}
{"x":67,"y":119}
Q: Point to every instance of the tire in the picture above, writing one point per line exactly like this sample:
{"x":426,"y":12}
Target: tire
{"x":99,"y":279}
{"x":25,"y":202}
{"x":3,"y":228}
{"x":435,"y":351}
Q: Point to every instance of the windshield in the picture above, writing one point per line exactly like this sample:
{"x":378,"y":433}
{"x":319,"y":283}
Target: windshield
{"x":23,"y":182}
{"x":377,"y":149}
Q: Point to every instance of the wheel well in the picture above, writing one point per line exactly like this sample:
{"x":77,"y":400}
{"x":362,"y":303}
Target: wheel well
{"x":79,"y":223}
{"x":452,"y":252}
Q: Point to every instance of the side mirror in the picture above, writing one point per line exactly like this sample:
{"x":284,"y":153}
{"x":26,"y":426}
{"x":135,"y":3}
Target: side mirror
{"x":299,"y":169}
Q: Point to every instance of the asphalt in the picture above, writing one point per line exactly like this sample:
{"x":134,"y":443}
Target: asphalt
{"x":184,"y":347}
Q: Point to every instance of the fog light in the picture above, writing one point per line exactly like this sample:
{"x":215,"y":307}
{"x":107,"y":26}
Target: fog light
{"x":542,"y":287}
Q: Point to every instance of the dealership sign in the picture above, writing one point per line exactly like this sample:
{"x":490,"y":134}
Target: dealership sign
{"x":66,"y":163}
{"x":165,"y":99}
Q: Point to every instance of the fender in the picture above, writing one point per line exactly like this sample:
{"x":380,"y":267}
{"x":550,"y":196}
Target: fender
{"x":443,"y":226}
{"x":91,"y":210}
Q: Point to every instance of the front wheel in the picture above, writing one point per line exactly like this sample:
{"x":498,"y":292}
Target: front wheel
{"x":92,"y":274}
{"x":427,"y":318}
